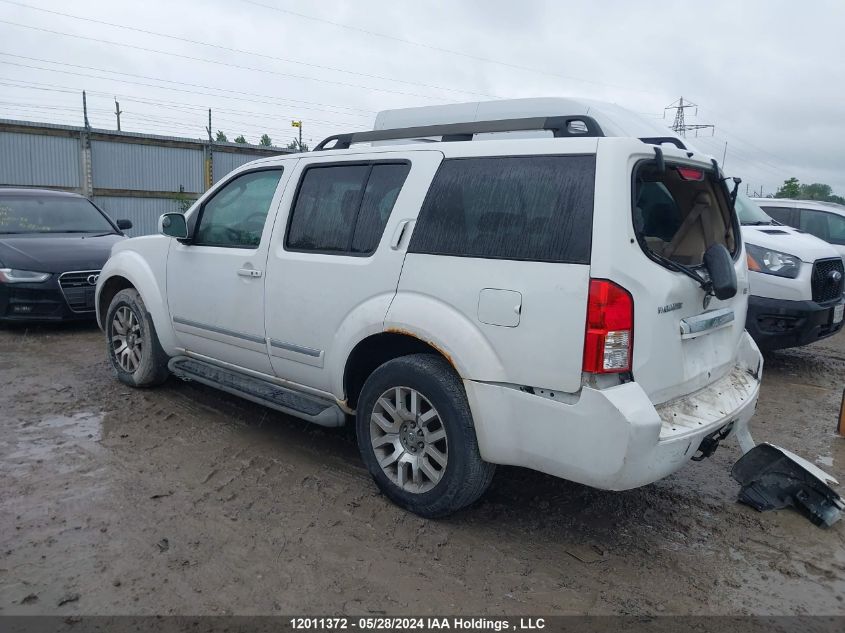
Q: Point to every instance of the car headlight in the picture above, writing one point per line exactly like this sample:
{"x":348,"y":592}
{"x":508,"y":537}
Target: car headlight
{"x":14,"y":276}
{"x":769,"y":262}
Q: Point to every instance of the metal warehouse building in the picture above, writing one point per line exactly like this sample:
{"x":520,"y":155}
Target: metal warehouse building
{"x":129,"y":175}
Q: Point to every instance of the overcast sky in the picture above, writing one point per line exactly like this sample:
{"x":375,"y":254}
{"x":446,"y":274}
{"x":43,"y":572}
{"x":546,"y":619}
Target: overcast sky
{"x":770,"y":74}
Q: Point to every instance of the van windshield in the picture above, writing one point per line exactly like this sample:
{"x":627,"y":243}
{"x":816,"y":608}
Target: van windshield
{"x":749,"y":213}
{"x":680,"y":212}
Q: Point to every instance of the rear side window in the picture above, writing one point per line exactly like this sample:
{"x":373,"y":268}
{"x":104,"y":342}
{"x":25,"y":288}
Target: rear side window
{"x":826,"y":226}
{"x":343,"y":209}
{"x":537,"y":208}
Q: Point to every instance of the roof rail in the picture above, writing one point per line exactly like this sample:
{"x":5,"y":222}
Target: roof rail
{"x":560,"y":126}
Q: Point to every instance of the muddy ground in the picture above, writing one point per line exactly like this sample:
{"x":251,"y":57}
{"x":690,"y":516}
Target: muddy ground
{"x":182,"y":500}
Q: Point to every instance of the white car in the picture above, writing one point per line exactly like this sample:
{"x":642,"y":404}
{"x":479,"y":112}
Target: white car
{"x":469,"y":302}
{"x":796,"y":282}
{"x":825,"y":220}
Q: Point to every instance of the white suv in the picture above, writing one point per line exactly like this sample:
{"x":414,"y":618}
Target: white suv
{"x":534,"y":302}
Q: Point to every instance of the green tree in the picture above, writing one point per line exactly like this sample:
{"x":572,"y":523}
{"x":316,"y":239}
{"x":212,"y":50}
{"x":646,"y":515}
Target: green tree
{"x":295,"y":146}
{"x":265,"y":140}
{"x":816,"y":191}
{"x":221,"y":138}
{"x":791,"y":189}
{"x":240,"y":139}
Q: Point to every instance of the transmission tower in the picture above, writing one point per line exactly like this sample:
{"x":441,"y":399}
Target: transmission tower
{"x":679,"y":125}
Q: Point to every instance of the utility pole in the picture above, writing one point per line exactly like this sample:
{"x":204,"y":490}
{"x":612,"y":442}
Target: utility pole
{"x":85,"y":110}
{"x":299,"y":125}
{"x":117,"y":112}
{"x":680,"y":125}
{"x":209,"y":157}
{"x":724,"y":154}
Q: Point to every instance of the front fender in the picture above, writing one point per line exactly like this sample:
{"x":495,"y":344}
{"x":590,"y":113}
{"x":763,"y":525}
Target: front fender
{"x":149,"y":283}
{"x":458,"y":338}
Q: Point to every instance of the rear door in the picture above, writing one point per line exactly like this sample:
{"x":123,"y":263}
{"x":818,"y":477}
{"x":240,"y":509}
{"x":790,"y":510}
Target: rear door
{"x":335,"y":258}
{"x":683,"y":339}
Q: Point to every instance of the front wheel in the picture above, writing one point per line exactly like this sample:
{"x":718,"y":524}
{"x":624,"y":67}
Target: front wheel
{"x":133,"y":346}
{"x":417,"y":439}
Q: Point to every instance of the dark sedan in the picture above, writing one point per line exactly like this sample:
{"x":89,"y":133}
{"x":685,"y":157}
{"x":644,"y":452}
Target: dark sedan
{"x":52,"y":247}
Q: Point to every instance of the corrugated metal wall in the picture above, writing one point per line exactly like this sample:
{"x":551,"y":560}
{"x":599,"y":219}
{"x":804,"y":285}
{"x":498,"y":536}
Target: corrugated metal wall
{"x":224,"y":162}
{"x":132,"y":176}
{"x":47,"y":161}
{"x":146,"y":167}
{"x":144,"y":212}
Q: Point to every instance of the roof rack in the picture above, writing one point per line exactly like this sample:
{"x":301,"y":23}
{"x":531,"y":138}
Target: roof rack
{"x":560,"y":126}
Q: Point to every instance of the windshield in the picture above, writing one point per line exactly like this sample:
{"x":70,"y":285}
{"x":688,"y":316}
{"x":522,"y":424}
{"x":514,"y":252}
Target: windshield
{"x":50,"y":214}
{"x":749,"y":212}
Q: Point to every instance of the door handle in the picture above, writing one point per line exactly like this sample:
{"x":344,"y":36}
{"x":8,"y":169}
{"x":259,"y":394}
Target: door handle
{"x":401,"y":231}
{"x":250,"y":272}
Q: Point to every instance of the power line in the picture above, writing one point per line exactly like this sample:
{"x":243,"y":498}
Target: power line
{"x":125,"y":81}
{"x":240,"y":93}
{"x":444,"y":50}
{"x":244,"y":51}
{"x":217,"y":62}
{"x":178,"y":105}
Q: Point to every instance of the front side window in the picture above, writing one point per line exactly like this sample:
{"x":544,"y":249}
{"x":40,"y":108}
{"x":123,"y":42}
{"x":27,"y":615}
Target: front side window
{"x":235,"y":216}
{"x":50,"y":214}
{"x":781,"y":214}
{"x":537,"y":208}
{"x":344,"y":208}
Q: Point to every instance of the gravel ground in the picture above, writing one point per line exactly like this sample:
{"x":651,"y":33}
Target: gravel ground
{"x":182,"y":500}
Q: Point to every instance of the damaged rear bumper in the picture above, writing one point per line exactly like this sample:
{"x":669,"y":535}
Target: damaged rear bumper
{"x":613,"y":438}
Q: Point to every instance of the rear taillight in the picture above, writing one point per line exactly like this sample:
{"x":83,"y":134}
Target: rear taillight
{"x":610,"y":328}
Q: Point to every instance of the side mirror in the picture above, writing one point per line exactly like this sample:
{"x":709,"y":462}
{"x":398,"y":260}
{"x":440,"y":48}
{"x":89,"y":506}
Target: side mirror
{"x":720,"y":265}
{"x":124,"y":225}
{"x":173,"y":225}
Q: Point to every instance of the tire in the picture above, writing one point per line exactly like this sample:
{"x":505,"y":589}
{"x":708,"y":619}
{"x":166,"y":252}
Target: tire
{"x":429,"y":485}
{"x":133,"y":347}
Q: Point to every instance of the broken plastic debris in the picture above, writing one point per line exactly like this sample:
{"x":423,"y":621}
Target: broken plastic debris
{"x":773,"y":478}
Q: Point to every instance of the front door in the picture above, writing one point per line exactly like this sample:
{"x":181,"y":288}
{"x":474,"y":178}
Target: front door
{"x":215,"y":283}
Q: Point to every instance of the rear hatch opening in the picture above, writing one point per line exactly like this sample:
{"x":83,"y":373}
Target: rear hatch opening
{"x":680,"y":211}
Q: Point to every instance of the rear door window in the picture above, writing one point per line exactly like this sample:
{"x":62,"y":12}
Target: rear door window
{"x":537,"y":208}
{"x":343,"y":209}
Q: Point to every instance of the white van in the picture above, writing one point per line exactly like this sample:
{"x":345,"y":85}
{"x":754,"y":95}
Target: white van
{"x":825,"y":220}
{"x":521,"y":301}
{"x":796,"y":281}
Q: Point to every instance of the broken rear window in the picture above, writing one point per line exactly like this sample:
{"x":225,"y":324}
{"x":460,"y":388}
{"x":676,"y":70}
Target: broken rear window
{"x":680,"y":212}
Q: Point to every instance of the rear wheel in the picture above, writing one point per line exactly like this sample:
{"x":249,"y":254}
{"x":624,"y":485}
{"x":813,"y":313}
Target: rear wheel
{"x":133,"y":346}
{"x":417,"y":439}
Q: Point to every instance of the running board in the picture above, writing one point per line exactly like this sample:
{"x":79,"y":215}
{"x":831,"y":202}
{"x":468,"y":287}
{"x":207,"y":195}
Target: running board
{"x":316,"y":410}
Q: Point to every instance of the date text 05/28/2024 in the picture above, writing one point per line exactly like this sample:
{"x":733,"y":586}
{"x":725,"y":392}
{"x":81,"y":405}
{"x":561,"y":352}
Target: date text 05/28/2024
{"x":416,"y":624}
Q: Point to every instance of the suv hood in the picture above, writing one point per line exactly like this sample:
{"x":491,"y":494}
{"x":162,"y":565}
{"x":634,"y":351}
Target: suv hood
{"x":786,"y":239}
{"x":56,"y":253}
